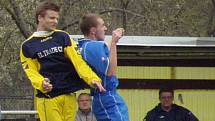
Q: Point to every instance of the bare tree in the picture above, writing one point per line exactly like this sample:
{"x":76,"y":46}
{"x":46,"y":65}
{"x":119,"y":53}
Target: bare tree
{"x":15,"y":12}
{"x":211,"y":28}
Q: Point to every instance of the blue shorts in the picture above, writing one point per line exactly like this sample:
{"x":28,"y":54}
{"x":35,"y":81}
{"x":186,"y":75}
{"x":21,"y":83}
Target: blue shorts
{"x":109,"y":106}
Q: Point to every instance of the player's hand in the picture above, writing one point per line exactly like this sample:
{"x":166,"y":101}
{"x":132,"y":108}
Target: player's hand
{"x":99,"y":86}
{"x":46,"y":85}
{"x":117,"y":34}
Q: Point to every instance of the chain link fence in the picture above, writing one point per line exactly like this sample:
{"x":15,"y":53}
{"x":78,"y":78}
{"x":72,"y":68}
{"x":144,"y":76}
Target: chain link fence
{"x":17,"y":98}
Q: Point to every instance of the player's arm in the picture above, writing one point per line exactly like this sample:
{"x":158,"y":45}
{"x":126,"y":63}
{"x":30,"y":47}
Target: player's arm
{"x":30,"y":67}
{"x":116,"y":35}
{"x":84,"y":71}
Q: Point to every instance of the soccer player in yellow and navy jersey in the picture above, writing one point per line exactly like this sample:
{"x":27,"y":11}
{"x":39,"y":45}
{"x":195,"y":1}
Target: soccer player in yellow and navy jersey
{"x":54,"y":67}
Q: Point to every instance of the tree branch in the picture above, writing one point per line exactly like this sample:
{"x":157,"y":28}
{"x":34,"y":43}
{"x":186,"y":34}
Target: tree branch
{"x":211,"y":32}
{"x":103,"y":12}
{"x":213,"y":1}
{"x":125,"y":6}
{"x":65,"y":8}
{"x":71,"y":24}
{"x":18,"y":18}
{"x":6,"y":38}
{"x":121,"y":10}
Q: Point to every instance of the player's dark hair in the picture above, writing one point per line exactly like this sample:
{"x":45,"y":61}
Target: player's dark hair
{"x":88,"y":21}
{"x":43,"y":7}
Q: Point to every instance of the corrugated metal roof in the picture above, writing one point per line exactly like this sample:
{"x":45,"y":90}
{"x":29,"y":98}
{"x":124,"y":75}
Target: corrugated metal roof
{"x":162,"y":41}
{"x":160,"y":47}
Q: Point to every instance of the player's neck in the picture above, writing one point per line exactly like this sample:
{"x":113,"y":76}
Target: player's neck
{"x":41,"y":28}
{"x":91,"y":37}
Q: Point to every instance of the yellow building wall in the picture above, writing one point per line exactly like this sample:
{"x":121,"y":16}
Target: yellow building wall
{"x":200,"y":102}
{"x":140,"y":101}
{"x":139,"y":72}
{"x":132,"y":72}
{"x":195,"y":72}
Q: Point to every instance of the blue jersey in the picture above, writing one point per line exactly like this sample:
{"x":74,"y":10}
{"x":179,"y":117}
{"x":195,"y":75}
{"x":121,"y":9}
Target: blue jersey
{"x":96,"y":54}
{"x":108,"y":106}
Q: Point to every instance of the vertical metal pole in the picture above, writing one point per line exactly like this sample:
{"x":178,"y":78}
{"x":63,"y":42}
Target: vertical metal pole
{"x":0,"y":112}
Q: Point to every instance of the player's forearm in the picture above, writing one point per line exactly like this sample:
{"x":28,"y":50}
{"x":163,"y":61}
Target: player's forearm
{"x":30,"y":67}
{"x":116,"y":35}
{"x":36,"y":79}
{"x":113,"y":59}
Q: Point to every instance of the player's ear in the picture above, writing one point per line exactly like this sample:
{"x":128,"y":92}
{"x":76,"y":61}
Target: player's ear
{"x":39,"y":18}
{"x":93,"y":30}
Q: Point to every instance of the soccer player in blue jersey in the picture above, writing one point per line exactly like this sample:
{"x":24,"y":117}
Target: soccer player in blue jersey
{"x":54,"y":67}
{"x":107,"y":106}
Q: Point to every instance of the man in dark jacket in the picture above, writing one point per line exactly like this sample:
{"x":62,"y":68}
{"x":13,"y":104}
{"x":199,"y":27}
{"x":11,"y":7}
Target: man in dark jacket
{"x":167,"y":111}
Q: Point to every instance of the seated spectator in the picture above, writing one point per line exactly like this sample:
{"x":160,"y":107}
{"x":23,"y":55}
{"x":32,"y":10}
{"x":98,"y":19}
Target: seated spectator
{"x":84,"y":112}
{"x":167,"y":111}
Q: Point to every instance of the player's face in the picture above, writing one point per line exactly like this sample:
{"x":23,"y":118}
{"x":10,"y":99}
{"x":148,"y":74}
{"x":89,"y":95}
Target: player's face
{"x":100,"y":29}
{"x":84,"y":102}
{"x":166,"y":99}
{"x":49,"y":21}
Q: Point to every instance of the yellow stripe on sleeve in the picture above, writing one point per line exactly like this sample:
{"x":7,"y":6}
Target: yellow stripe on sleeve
{"x":84,"y":71}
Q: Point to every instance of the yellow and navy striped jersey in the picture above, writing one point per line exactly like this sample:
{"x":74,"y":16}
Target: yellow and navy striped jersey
{"x":53,"y":55}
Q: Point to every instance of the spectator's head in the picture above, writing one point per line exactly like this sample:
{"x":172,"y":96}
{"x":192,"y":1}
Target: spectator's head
{"x":93,"y":27}
{"x":84,"y":102}
{"x":166,"y":96}
{"x":47,"y":15}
